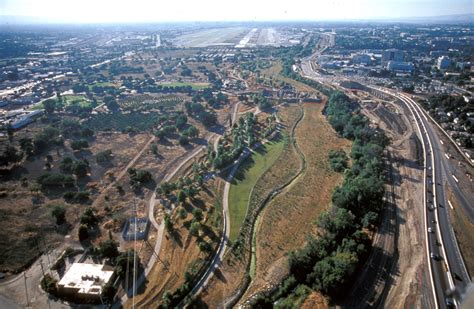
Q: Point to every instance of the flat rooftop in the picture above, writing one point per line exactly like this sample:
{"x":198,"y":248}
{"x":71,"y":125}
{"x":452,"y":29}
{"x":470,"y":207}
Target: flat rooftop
{"x":87,"y":278}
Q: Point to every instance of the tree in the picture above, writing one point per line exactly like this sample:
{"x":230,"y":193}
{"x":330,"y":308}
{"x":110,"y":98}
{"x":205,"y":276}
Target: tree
{"x":168,"y":223}
{"x":83,"y":232}
{"x":88,"y":217}
{"x":26,"y":145}
{"x":332,"y":272}
{"x":49,"y":106}
{"x":51,"y":180}
{"x":124,"y":262}
{"x":369,"y":219}
{"x":338,"y":160}
{"x":111,"y":103}
{"x":10,"y":132}
{"x":192,"y":132}
{"x":10,"y":155}
{"x":48,"y":284}
{"x":103,"y":156}
{"x":80,"y":168}
{"x":182,"y":213}
{"x":197,"y":213}
{"x":154,"y":149}
{"x":194,"y":229}
{"x":66,"y":164}
{"x":181,"y":121}
{"x":108,"y":291}
{"x":59,"y":213}
{"x":109,"y":249}
{"x":79,"y":144}
{"x":181,"y":196}
{"x":183,"y":140}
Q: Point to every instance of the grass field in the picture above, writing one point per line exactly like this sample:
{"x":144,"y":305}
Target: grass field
{"x":195,"y":86}
{"x":245,"y":179}
{"x":101,"y":84}
{"x":68,"y":100}
{"x":83,"y":101}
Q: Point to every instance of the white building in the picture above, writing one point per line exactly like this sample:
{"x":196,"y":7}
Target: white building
{"x":443,"y":62}
{"x":85,"y":280}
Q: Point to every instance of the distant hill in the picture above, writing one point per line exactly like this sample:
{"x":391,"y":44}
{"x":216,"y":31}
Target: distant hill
{"x":444,"y":19}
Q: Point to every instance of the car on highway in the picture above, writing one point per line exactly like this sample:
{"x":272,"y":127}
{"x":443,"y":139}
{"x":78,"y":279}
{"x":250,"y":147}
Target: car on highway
{"x":431,"y":206}
{"x":435,"y":257}
{"x":430,"y":230}
{"x":449,"y":303}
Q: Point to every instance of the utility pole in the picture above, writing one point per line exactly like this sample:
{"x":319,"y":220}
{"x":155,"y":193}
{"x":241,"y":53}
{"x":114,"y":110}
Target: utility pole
{"x":26,"y":291}
{"x":42,"y":268}
{"x":134,"y":256}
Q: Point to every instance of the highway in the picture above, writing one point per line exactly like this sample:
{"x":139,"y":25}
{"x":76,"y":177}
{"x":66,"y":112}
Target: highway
{"x":448,"y":275}
{"x":448,"y":272}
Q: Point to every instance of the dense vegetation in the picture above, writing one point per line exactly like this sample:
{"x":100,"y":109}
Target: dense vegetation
{"x":338,"y":160}
{"x":123,"y":122}
{"x":447,"y":109}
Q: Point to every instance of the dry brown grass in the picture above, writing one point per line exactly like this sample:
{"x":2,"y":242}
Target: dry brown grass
{"x":25,"y":216}
{"x":178,"y":251}
{"x":289,"y":218}
{"x":274,"y":72}
{"x":315,"y":301}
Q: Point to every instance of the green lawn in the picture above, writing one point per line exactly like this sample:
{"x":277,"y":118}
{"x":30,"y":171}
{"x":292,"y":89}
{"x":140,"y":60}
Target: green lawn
{"x":195,"y":86}
{"x":245,"y":179}
{"x":83,"y":101}
{"x":101,"y":84}
{"x":68,"y":100}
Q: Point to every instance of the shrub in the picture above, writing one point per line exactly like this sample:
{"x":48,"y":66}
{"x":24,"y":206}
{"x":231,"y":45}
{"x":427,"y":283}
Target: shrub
{"x":59,"y":213}
{"x":109,"y":249}
{"x":79,"y":144}
{"x":197,"y":213}
{"x":194,"y":229}
{"x":83,"y":232}
{"x":55,"y":180}
{"x":103,"y":156}
{"x":88,"y":217}
{"x":48,"y":284}
{"x":338,"y":160}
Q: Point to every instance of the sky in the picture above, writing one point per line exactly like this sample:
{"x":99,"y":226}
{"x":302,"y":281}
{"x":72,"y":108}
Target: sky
{"x":113,"y":11}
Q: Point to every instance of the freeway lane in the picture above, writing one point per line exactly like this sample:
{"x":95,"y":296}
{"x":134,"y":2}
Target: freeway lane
{"x":447,"y":261}
{"x":441,"y":279}
{"x":444,"y":174}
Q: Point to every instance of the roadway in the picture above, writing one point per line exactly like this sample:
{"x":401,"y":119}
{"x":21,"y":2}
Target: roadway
{"x":448,"y":273}
{"x":445,"y":260}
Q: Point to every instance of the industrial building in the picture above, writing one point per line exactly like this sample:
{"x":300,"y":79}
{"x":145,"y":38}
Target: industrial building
{"x":393,"y":55}
{"x":85,"y":281}
{"x":443,"y":63}
{"x":404,"y":67}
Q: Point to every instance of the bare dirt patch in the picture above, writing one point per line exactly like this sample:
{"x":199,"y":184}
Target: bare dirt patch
{"x":405,"y":286}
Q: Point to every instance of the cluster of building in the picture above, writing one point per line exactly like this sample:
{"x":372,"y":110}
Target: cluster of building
{"x":17,"y":119}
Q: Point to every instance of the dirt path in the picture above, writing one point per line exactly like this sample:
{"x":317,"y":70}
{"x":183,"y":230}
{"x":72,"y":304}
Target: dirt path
{"x":406,"y":276}
{"x":160,"y":227}
{"x":122,"y":173}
